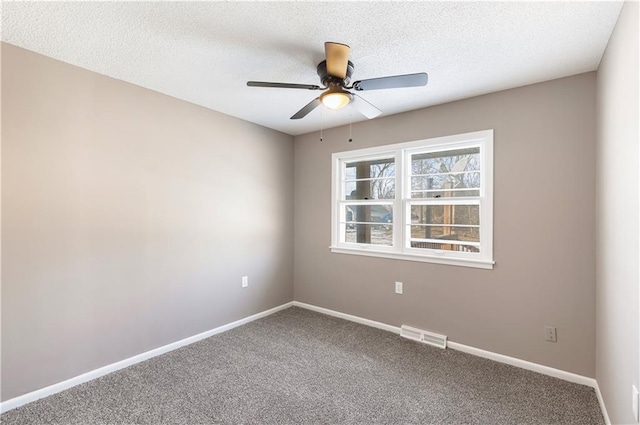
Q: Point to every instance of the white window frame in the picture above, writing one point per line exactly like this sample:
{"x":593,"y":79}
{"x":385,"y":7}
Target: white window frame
{"x":402,"y":152}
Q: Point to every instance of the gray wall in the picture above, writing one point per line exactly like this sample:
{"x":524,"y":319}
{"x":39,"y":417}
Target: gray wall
{"x":544,"y":231}
{"x":128,"y":219}
{"x":618,"y":313}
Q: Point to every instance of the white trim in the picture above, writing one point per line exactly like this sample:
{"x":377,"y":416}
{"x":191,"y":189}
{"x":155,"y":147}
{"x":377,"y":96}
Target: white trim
{"x":88,"y":376}
{"x":349,"y":317}
{"x":500,"y":358}
{"x":524,"y":364}
{"x":603,"y":408}
{"x":435,"y":143}
{"x":451,"y":261}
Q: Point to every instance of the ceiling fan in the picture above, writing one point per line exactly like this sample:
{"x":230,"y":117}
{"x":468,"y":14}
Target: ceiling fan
{"x":335,"y":73}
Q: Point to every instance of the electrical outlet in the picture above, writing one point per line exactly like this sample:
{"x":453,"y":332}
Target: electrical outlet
{"x":634,"y":403}
{"x":550,"y":334}
{"x":245,"y":281}
{"x":399,"y":288}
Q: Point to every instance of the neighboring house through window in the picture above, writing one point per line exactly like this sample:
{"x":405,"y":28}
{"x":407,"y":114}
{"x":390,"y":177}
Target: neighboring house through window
{"x":429,"y":200}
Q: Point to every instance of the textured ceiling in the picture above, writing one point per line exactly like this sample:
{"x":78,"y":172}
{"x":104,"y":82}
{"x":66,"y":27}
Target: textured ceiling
{"x":204,"y":52}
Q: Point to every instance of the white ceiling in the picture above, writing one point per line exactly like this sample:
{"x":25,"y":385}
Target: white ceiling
{"x":204,"y":52}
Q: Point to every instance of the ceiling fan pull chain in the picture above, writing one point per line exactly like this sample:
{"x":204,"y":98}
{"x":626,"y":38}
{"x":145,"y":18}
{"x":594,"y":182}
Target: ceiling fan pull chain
{"x":350,"y":138}
{"x":321,"y":122}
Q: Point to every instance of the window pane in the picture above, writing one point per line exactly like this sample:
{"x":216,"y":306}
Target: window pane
{"x":385,"y":167}
{"x":370,"y":189}
{"x":446,"y":186}
{"x":451,"y":233}
{"x":445,"y":214}
{"x":369,"y":213}
{"x":373,"y":179}
{"x":446,"y":174}
{"x":376,"y":234}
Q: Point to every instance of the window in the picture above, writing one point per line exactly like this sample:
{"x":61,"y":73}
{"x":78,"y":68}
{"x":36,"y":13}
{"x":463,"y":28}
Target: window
{"x":428,"y":200}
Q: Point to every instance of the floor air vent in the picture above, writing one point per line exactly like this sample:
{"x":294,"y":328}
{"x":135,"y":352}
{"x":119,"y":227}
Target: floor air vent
{"x":425,"y":337}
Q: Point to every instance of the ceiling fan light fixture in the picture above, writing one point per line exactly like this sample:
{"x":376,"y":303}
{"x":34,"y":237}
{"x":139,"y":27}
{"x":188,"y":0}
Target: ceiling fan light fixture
{"x":336,"y":99}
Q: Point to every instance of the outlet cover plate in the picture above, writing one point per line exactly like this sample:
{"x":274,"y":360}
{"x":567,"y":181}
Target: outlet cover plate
{"x":634,"y":403}
{"x":245,"y":281}
{"x":550,"y":334}
{"x":399,"y":288}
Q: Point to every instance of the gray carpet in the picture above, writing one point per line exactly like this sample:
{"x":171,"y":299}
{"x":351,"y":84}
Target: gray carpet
{"x":298,"y":366}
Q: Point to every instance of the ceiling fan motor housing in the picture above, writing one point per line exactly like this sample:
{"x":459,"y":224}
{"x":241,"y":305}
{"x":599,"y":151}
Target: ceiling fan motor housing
{"x":332,"y":81}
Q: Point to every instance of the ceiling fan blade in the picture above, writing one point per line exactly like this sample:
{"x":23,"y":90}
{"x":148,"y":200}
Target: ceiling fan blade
{"x":337,"y":58}
{"x":394,"y":82}
{"x":306,"y":109}
{"x":364,"y":107}
{"x":282,"y":85}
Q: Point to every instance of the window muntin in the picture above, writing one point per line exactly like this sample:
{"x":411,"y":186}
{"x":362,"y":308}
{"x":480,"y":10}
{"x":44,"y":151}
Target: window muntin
{"x":428,"y":200}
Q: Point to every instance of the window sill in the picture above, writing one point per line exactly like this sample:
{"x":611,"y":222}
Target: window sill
{"x":436,"y":259}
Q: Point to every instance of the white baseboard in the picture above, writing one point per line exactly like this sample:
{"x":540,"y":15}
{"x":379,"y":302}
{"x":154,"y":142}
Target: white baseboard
{"x":85,"y":377}
{"x":523,"y":364}
{"x":607,"y":421}
{"x":348,"y":317}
